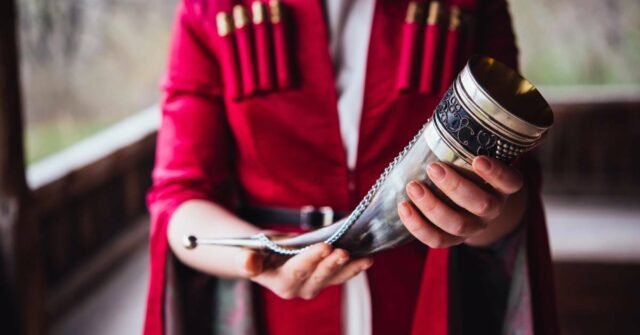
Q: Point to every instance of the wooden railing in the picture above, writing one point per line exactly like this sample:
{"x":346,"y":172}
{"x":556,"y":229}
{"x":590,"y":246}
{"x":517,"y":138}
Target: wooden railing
{"x":90,"y":206}
{"x":21,"y":289}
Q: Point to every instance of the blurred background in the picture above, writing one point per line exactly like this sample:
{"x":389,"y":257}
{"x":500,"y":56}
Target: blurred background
{"x":90,"y":73}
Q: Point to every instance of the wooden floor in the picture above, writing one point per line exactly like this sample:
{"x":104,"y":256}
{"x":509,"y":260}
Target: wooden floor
{"x":116,"y":306}
{"x":596,"y":249}
{"x":597,"y":267}
{"x":598,"y":298}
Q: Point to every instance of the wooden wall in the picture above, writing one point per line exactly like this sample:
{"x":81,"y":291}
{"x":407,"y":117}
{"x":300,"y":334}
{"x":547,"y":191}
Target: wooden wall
{"x":598,"y":298}
{"x":84,"y":214}
{"x":20,"y":262}
{"x":593,"y":149}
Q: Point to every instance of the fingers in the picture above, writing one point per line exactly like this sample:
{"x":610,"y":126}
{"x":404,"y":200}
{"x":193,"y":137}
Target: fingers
{"x":423,"y":230}
{"x":306,"y":274}
{"x":323,"y":272}
{"x":453,"y":222}
{"x":443,"y":225}
{"x":350,"y":270}
{"x":252,"y":262}
{"x":464,"y":192}
{"x":301,"y":266}
{"x":503,"y":178}
{"x":288,"y":278}
{"x":333,"y":271}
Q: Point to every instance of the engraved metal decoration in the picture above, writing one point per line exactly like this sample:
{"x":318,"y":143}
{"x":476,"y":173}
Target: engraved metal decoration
{"x":472,"y":135}
{"x":488,"y":110}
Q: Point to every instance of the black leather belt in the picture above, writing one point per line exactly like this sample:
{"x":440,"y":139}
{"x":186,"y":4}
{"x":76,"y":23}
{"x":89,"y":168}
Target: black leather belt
{"x":307,"y":217}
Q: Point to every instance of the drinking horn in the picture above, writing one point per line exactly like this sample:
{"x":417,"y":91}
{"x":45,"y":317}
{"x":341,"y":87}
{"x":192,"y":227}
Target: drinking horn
{"x":489,"y":110}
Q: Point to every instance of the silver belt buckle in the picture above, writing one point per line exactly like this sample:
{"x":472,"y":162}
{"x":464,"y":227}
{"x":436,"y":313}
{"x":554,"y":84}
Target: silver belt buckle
{"x":308,"y":213}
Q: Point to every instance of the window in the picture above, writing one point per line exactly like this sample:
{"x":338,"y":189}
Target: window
{"x":86,"y":64}
{"x":586,"y":42}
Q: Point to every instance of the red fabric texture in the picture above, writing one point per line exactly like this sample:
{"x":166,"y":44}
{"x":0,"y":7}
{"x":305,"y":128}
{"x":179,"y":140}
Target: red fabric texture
{"x":264,"y":57}
{"x":539,"y":255}
{"x":290,"y":316}
{"x":450,"y":58}
{"x":433,"y":299}
{"x":284,"y":149}
{"x":430,"y":59}
{"x":541,"y":271}
{"x":246,"y":53}
{"x":409,"y":50}
{"x":229,"y":55}
{"x":281,"y":49}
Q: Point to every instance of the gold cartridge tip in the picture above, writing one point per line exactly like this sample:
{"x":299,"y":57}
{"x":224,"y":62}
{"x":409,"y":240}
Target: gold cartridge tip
{"x":275,"y":9}
{"x":414,"y":12}
{"x":240,"y":16}
{"x":435,"y":8}
{"x":224,"y":23}
{"x":259,"y":12}
{"x":454,"y":18}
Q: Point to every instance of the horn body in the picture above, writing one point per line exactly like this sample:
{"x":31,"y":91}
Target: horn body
{"x":488,"y":110}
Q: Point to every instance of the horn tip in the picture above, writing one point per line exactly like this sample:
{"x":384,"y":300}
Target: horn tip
{"x":190,"y":242}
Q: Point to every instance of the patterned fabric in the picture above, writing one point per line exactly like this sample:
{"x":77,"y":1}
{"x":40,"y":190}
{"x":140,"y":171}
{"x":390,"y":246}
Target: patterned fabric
{"x":233,"y":314}
{"x":518,"y":316}
{"x":492,"y":287}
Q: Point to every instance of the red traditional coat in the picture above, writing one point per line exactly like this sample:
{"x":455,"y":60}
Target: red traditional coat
{"x":283,"y":148}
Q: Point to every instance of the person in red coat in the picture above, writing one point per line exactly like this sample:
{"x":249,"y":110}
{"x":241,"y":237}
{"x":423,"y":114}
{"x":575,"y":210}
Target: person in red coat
{"x":258,"y":116}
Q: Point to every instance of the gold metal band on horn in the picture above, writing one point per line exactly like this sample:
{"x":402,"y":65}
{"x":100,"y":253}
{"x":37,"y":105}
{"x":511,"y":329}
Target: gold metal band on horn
{"x":488,"y":110}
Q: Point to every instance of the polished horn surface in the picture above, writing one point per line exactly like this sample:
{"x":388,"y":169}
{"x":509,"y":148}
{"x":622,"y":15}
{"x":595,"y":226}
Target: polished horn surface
{"x":489,"y":110}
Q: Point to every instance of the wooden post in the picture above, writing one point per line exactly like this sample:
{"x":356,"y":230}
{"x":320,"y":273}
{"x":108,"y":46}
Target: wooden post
{"x":21,"y":276}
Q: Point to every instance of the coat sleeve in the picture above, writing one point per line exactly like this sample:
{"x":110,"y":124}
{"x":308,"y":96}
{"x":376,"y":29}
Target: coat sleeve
{"x":193,"y":154}
{"x":518,"y":283}
{"x":494,"y":32}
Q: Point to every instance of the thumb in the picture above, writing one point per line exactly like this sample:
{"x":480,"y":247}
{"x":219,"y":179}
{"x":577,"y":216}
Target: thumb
{"x":252,"y":263}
